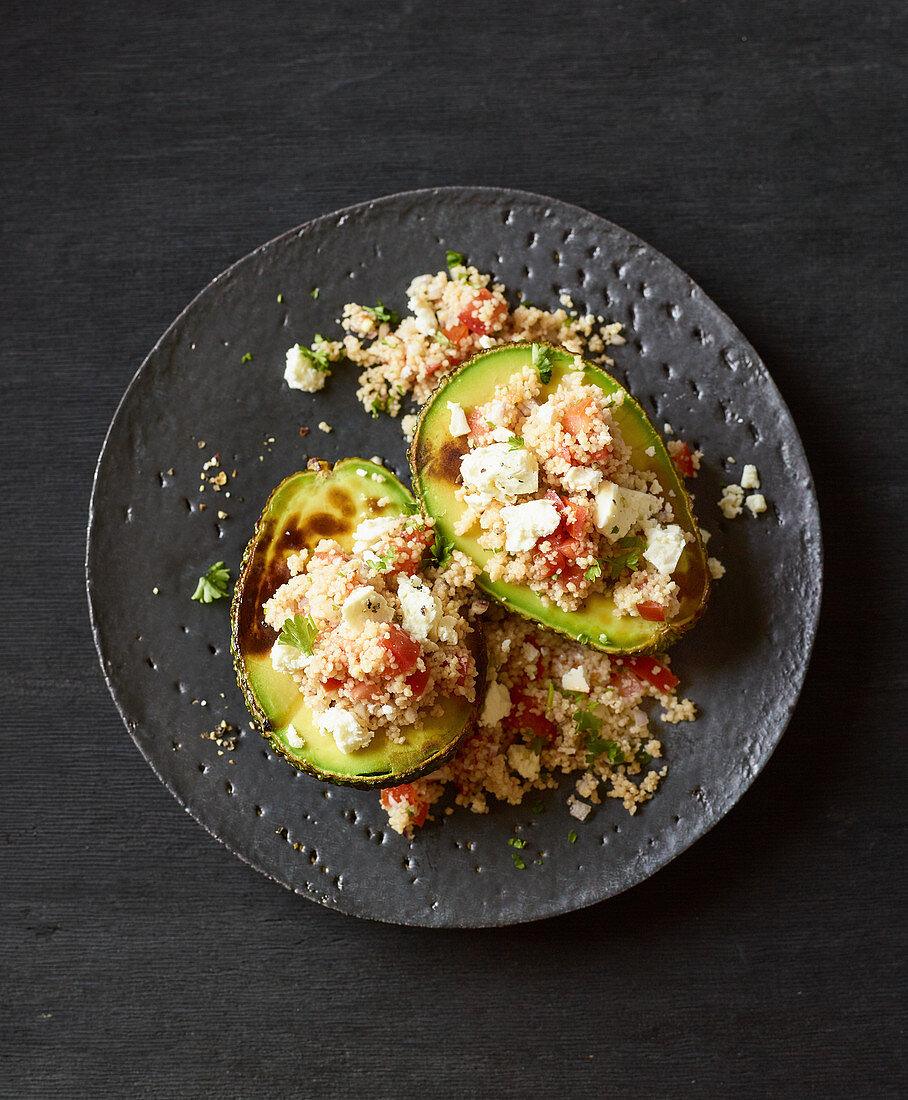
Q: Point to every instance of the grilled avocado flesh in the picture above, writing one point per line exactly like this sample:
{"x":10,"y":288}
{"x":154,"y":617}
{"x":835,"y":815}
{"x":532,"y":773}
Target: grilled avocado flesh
{"x":329,"y":502}
{"x":435,"y":458}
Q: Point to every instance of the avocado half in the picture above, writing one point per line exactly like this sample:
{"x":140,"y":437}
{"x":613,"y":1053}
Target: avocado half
{"x":435,"y":461}
{"x":329,"y":502}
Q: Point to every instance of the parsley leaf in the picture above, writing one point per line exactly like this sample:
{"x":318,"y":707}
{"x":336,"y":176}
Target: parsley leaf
{"x":572,"y":837}
{"x":518,"y":861}
{"x":515,"y":442}
{"x":410,"y":508}
{"x":455,"y":259}
{"x":644,"y":759}
{"x":247,"y":358}
{"x":517,"y":842}
{"x":595,"y":571}
{"x":442,"y":548}
{"x":380,"y":562}
{"x":317,"y":354}
{"x":381,"y":313}
{"x":443,"y":340}
{"x":542,"y":361}
{"x":313,"y":293}
{"x":280,"y":297}
{"x":213,"y":586}
{"x":587,"y":722}
{"x":596,"y":746}
{"x":299,"y":631}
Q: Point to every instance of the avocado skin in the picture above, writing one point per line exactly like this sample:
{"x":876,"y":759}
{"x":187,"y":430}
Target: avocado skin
{"x":262,"y":571}
{"x":435,"y":465}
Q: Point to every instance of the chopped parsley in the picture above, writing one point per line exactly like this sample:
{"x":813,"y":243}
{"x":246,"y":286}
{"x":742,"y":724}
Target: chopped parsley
{"x":280,"y":297}
{"x":381,"y":313}
{"x":247,"y":358}
{"x":443,"y":340}
{"x":596,"y":746}
{"x":644,"y":759}
{"x":515,"y":443}
{"x":518,"y":861}
{"x":587,"y":722}
{"x":595,"y":571}
{"x":381,"y":562}
{"x":538,"y":808}
{"x":517,"y":842}
{"x":630,"y":559}
{"x":299,"y":631}
{"x":572,"y":837}
{"x":542,"y":361}
{"x":317,"y":354}
{"x":213,"y":586}
{"x":442,"y":548}
{"x":455,"y":259}
{"x":410,"y":508}
{"x":313,"y":293}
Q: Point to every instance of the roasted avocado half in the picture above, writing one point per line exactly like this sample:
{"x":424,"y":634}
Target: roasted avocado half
{"x":325,"y":502}
{"x":435,"y":460}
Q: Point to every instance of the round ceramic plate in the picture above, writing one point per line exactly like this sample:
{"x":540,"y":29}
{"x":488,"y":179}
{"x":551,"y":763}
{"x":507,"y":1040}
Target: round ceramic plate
{"x":152,"y":533}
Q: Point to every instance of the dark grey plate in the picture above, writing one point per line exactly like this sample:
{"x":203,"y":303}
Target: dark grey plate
{"x":744,"y":665}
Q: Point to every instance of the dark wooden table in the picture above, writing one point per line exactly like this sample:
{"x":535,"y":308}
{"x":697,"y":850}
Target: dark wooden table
{"x":146,"y":146}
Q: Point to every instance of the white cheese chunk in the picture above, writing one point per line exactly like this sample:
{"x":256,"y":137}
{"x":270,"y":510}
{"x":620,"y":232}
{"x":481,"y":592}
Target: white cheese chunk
{"x":582,"y":479}
{"x":287,"y":658}
{"x":300,"y":374}
{"x":370,"y":532}
{"x":497,"y":705}
{"x":750,"y":479}
{"x":502,"y":435}
{"x":459,"y":425}
{"x":497,"y":472}
{"x":525,"y":523}
{"x":716,"y":568}
{"x":756,"y":502}
{"x":496,"y":411}
{"x":420,"y":609}
{"x":664,"y":546}
{"x":365,"y":605}
{"x":731,"y":500}
{"x":617,"y":511}
{"x":293,"y":738}
{"x":343,"y":726}
{"x":546,"y":413}
{"x":575,"y":680}
{"x":524,"y":761}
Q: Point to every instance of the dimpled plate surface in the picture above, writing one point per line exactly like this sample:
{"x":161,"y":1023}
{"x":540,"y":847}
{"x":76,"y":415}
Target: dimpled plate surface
{"x":162,"y":654}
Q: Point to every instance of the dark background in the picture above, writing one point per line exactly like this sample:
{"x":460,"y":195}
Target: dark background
{"x":761,"y":146}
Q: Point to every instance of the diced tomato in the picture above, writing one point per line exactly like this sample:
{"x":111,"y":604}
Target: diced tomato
{"x":418,"y":680}
{"x":477,"y":422}
{"x":650,"y":670}
{"x":526,"y":715}
{"x":626,"y":683}
{"x":684,"y":461}
{"x":456,"y":333}
{"x":360,"y":690}
{"x":405,"y":795}
{"x":582,"y":417}
{"x":331,"y":684}
{"x":652,"y":611}
{"x":578,"y":417}
{"x":402,"y":649}
{"x":469,"y":315}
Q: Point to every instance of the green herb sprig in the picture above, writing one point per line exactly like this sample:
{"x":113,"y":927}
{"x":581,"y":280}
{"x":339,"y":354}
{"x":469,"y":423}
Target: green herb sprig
{"x":382,"y":313}
{"x":213,"y":586}
{"x":542,"y":361}
{"x":299,"y":631}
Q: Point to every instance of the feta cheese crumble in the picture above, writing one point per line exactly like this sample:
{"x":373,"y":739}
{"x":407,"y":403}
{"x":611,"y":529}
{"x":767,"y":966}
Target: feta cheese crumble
{"x":616,"y":511}
{"x":343,"y":726}
{"x":664,"y":546}
{"x":497,"y":705}
{"x":459,"y":425}
{"x":299,"y":372}
{"x":575,"y":680}
{"x":365,"y":605}
{"x":498,"y":472}
{"x":525,"y":523}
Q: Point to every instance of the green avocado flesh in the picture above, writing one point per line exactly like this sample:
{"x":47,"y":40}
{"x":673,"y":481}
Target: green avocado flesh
{"x":306,"y":507}
{"x":435,"y":460}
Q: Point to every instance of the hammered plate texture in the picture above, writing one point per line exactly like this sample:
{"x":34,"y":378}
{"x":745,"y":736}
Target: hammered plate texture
{"x":163,"y":654}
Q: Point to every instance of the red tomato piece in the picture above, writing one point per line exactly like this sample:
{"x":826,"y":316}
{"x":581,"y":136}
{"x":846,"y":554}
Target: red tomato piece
{"x":526,"y":715}
{"x":650,"y":670}
{"x":469,"y":315}
{"x":652,"y":611}
{"x":477,"y":422}
{"x":360,"y":690}
{"x":684,"y":461}
{"x":401,"y":648}
{"x":331,"y":684}
{"x":577,"y":418}
{"x":456,"y":333}
{"x":418,"y":680}
{"x":405,"y":795}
